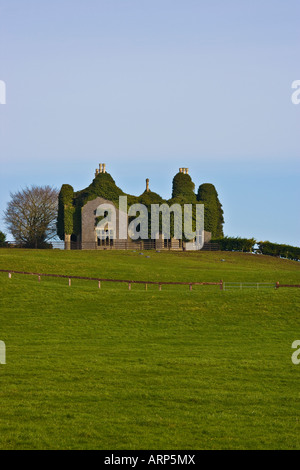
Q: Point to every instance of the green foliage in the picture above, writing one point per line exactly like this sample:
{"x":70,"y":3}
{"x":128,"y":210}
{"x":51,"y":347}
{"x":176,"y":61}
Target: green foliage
{"x":182,"y":201}
{"x":183,"y":188}
{"x":65,"y":211}
{"x":282,"y":251}
{"x":103,"y":185}
{"x":183,"y":193}
{"x":213,"y":212}
{"x":235,"y":244}
{"x":2,"y":239}
{"x":147,"y":198}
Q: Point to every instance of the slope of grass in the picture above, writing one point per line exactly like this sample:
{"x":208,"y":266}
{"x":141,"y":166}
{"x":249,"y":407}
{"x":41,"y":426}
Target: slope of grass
{"x":109,"y":368}
{"x":165,"y":266}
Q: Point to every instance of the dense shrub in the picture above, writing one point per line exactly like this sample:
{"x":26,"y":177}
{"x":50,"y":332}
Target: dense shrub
{"x":235,"y":244}
{"x":65,"y":211}
{"x":103,"y":185}
{"x":213,"y":212}
{"x":183,"y":187}
{"x":275,"y":249}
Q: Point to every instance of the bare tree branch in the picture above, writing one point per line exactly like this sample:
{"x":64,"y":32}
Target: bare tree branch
{"x":31,"y":215}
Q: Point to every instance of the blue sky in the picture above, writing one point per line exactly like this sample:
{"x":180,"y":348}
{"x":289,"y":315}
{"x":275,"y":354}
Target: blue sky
{"x":149,"y":86}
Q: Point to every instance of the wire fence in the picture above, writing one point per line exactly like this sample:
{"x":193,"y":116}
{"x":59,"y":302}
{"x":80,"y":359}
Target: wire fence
{"x":256,"y":285}
{"x":118,"y":245}
{"x":125,"y":281}
{"x":248,"y":285}
{"x":221,"y":284}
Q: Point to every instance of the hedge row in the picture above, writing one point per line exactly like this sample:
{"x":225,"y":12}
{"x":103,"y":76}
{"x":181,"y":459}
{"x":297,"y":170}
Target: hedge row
{"x":282,"y":251}
{"x":264,"y":248}
{"x":235,"y":244}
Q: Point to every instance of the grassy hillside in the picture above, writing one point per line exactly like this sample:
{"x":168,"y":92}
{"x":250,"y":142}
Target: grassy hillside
{"x":117,"y":369}
{"x":165,"y":266}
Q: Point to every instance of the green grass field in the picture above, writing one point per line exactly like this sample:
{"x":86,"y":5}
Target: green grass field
{"x":110,"y":368}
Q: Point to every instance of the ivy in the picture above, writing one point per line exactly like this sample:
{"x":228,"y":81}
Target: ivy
{"x":103,"y":185}
{"x":213,"y":212}
{"x":66,"y":209}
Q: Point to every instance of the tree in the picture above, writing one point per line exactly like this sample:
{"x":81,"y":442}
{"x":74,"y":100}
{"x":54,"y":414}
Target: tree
{"x":31,"y":216}
{"x":213,"y":212}
{"x":183,"y":187}
{"x":65,"y":211}
{"x":2,"y":239}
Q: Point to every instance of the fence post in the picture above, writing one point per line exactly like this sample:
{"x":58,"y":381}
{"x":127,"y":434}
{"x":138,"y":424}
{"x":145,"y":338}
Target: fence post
{"x":190,"y":284}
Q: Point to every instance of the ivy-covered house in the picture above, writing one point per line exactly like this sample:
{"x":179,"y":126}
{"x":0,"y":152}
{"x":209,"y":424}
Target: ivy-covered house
{"x":78,"y":216}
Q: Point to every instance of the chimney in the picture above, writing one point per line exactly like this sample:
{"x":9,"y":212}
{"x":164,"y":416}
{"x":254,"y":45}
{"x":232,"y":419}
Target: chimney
{"x":100,"y":167}
{"x":104,"y":171}
{"x":147,"y":185}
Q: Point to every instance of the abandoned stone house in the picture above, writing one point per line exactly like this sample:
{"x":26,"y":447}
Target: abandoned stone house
{"x":78,"y":216}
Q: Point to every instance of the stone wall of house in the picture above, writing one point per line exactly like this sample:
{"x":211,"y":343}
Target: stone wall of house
{"x":89,"y":240}
{"x":89,"y":222}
